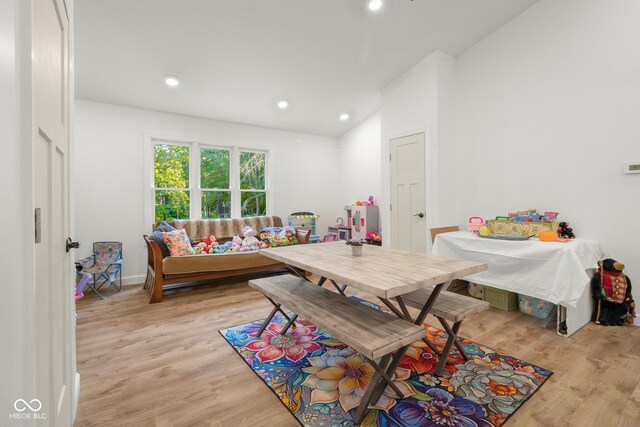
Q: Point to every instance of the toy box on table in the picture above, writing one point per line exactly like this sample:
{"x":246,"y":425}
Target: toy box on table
{"x":524,"y":223}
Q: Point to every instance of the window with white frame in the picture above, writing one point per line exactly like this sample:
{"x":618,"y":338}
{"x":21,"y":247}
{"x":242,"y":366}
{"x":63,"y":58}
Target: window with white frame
{"x":201,"y":181}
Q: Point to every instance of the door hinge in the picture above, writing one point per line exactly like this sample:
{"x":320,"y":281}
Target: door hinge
{"x":390,"y":207}
{"x":38,"y":225}
{"x":389,"y":157}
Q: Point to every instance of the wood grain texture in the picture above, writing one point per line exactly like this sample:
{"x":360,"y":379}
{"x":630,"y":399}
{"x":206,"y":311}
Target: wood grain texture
{"x":382,"y":272}
{"x":365,"y":329}
{"x":167,"y":365}
{"x":439,"y":230}
{"x":451,"y":306}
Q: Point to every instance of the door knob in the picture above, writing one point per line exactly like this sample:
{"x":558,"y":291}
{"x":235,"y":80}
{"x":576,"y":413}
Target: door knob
{"x":71,"y":244}
{"x":419,"y":215}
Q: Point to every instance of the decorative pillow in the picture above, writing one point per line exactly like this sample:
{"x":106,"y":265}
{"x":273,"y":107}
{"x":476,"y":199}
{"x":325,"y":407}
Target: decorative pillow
{"x":163,"y":227}
{"x":278,"y":236}
{"x":156,"y":236}
{"x":178,"y":243}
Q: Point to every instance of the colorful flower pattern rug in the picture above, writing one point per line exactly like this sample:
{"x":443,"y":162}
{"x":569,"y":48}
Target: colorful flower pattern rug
{"x":321,"y":380}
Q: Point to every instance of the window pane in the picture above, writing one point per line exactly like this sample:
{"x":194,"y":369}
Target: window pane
{"x":254,"y":203}
{"x":172,"y":204}
{"x":252,"y":166}
{"x":214,"y":168}
{"x":171,"y":166}
{"x":216,"y":204}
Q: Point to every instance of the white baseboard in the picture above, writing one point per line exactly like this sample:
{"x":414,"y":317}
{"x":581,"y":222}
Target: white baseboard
{"x":76,"y":397}
{"x":133,"y":280}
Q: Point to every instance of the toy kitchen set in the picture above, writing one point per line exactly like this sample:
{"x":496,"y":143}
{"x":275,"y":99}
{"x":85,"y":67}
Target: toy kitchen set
{"x":362,"y":219}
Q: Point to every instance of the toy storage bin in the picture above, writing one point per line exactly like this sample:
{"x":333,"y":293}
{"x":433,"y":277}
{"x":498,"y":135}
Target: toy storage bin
{"x":535,"y":306}
{"x":520,"y":228}
{"x":502,"y":300}
{"x":475,"y":290}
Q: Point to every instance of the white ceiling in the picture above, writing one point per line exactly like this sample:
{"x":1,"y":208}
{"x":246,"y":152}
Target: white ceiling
{"x":236,"y":58}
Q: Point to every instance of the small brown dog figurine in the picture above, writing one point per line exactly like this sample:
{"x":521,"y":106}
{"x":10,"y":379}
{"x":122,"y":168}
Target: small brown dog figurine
{"x":614,"y":305}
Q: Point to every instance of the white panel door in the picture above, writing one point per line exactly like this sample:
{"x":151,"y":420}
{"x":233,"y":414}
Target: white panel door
{"x":53,"y":287}
{"x":408,"y":205}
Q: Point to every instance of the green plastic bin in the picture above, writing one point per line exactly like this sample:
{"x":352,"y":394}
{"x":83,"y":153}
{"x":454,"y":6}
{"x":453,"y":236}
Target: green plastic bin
{"x":500,"y":299}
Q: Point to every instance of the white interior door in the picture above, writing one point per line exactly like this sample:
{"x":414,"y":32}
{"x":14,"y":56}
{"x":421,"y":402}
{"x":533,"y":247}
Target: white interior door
{"x":53,"y":288}
{"x":408,"y":195}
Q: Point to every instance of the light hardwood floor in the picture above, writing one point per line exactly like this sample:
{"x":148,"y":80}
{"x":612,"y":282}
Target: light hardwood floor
{"x":166,"y":364}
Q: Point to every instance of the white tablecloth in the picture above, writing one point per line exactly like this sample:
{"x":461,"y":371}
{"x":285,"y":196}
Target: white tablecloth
{"x":552,"y":271}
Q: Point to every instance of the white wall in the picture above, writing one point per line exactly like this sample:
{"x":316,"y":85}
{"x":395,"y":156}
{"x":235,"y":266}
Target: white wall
{"x":17,"y":321}
{"x":421,"y":101}
{"x":547,"y":112}
{"x":359,"y":162}
{"x":109,"y":143}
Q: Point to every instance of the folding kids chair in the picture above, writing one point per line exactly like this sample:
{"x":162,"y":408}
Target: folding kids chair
{"x":104,"y":265}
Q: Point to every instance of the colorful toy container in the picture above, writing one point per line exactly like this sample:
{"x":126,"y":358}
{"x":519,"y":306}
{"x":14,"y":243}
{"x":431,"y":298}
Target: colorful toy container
{"x":535,"y":306}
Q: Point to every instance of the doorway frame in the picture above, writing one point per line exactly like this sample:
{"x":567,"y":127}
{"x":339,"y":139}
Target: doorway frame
{"x":430,"y":176}
{"x":23,"y":337}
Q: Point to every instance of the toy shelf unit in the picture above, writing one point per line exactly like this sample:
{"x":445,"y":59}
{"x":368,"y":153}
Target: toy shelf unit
{"x":305,"y":221}
{"x":363,"y":219}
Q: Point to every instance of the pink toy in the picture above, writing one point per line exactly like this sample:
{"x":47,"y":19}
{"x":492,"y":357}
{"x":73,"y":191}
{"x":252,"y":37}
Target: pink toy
{"x":474,"y":224}
{"x":80,"y":288}
{"x":236,"y":244}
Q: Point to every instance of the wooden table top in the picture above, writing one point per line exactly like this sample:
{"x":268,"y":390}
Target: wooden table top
{"x":383,"y":272}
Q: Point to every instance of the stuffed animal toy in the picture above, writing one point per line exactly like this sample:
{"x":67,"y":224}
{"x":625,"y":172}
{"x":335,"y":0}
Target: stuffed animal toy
{"x":249,"y":243}
{"x":565,"y":232}
{"x":225,"y":247}
{"x":207,"y":245}
{"x":291,"y":237}
{"x":236,"y":244}
{"x":611,"y":288}
{"x":263,"y":236}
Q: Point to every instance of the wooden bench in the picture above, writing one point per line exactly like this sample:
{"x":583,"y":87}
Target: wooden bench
{"x":372,"y":333}
{"x":450,"y":307}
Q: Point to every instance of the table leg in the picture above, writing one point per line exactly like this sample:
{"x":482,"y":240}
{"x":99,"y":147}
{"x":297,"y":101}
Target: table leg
{"x":276,"y":308}
{"x":391,"y":370}
{"x":427,"y":306}
{"x":289,"y":323}
{"x":393,"y":308}
{"x":364,"y":403}
{"x":296,"y":272}
{"x":340,"y":289}
{"x":403,"y":307}
{"x":452,"y":339}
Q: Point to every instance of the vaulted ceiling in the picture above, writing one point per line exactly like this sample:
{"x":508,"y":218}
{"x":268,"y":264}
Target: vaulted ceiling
{"x":235,"y":59}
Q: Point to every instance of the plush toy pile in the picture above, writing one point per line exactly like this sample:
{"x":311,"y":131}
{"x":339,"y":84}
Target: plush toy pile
{"x":268,"y":237}
{"x":614,"y":305}
{"x":278,"y":236}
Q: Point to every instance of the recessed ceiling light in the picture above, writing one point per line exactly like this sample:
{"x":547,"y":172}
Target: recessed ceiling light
{"x":375,"y":5}
{"x":344,"y":117}
{"x":171,"y":81}
{"x":283,"y":104}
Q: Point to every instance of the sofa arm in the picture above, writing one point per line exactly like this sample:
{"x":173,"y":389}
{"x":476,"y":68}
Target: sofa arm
{"x":153,"y":283}
{"x":303,"y":236}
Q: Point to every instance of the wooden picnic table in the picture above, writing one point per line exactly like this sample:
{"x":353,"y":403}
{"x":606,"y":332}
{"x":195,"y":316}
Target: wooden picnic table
{"x":383,"y":272}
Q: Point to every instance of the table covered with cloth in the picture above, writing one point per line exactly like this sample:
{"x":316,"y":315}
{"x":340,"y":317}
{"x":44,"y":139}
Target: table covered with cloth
{"x":553,"y":271}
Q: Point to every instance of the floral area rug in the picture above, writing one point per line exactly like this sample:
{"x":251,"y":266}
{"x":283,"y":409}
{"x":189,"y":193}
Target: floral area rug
{"x":321,"y":380}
